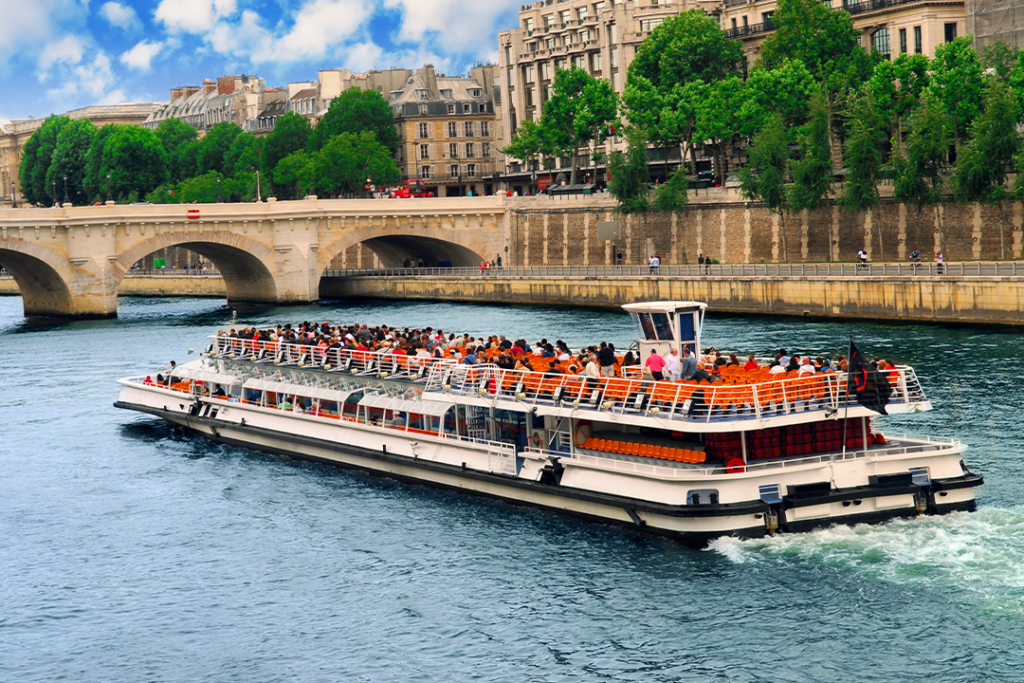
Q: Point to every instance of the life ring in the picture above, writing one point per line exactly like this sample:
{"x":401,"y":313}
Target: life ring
{"x":735,"y":466}
{"x":584,"y":430}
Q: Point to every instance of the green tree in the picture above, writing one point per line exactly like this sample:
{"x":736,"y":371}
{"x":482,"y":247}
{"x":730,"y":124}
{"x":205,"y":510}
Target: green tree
{"x":357,"y":111}
{"x":784,"y":90}
{"x":349,"y":162}
{"x":184,"y":163}
{"x":812,"y":170}
{"x":865,"y":140}
{"x":917,"y":173}
{"x":69,"y":160}
{"x":244,"y":154}
{"x":687,"y":49}
{"x":957,"y":80}
{"x":825,"y":41}
{"x":981,"y":169}
{"x":136,"y":161}
{"x":628,"y":178}
{"x":719,"y":122}
{"x":580,"y":111}
{"x":291,"y":134}
{"x":94,"y":180}
{"x":896,"y":87}
{"x":35,"y":162}
{"x":176,"y":135}
{"x":1000,"y":58}
{"x":214,"y":146}
{"x":527,"y":143}
{"x":292,"y":171}
{"x":672,"y":195}
{"x":763,"y":179}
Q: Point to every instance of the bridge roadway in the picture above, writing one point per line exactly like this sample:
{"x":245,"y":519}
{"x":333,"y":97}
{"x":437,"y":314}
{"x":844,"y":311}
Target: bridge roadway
{"x":69,"y":262}
{"x":972,"y":293}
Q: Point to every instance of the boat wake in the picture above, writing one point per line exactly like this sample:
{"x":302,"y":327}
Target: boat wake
{"x":980,"y":551}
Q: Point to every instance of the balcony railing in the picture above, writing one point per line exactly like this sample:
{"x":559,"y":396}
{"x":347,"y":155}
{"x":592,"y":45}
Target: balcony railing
{"x":751,"y":30}
{"x":873,"y":5}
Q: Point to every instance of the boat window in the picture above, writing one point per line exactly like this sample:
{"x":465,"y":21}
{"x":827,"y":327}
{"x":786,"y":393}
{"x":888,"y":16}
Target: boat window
{"x":644,"y":326}
{"x":663,"y":326}
{"x":702,"y":497}
{"x":686,"y":331}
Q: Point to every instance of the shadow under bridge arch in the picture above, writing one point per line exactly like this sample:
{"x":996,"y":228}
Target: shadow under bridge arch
{"x":247,"y":277}
{"x":393,"y":250}
{"x":42,"y":280}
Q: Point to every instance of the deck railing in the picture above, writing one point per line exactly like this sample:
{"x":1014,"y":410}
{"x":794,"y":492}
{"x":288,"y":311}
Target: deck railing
{"x":909,"y":270}
{"x":741,"y":397}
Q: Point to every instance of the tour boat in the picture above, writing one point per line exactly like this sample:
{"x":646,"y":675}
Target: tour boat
{"x":750,"y":456}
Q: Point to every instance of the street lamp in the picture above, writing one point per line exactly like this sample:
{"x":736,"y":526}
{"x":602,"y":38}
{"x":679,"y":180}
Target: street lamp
{"x":66,"y":199}
{"x":259,"y":195}
{"x":219,"y":200}
{"x":53,"y":194}
{"x":14,"y":195}
{"x":110,"y":199}
{"x":309,"y":189}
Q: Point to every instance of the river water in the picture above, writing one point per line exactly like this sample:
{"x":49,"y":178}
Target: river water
{"x":130,"y":551}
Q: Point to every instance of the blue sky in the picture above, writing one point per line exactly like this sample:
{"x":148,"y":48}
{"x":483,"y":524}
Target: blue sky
{"x":57,"y":55}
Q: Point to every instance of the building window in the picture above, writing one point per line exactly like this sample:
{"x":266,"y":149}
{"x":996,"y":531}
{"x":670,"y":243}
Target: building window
{"x":471,"y":170}
{"x":451,"y":108}
{"x":424,"y":151}
{"x":550,"y":43}
{"x":424,"y":171}
{"x":903,"y":41}
{"x":598,"y":6}
{"x":508,"y":54}
{"x":917,"y":40}
{"x":423,"y":130}
{"x":613,"y":34}
{"x":581,"y":13}
{"x":549,"y":20}
{"x":485,"y":129}
{"x":529,"y":75}
{"x":545,"y":71}
{"x":423,"y":110}
{"x":530,"y":97}
{"x":613,"y":55}
{"x":880,"y":42}
{"x":469,"y":129}
{"x":467,"y":108}
{"x":453,"y":171}
{"x":532,"y":47}
{"x":453,"y":151}
{"x":469,"y":150}
{"x":474,"y":93}
{"x":424,"y":94}
{"x":648,"y":25}
{"x":584,"y":36}
{"x":446,"y":94}
{"x":528,"y":23}
{"x":451,"y":129}
{"x":950,"y":32}
{"x":564,"y":16}
{"x":485,"y":149}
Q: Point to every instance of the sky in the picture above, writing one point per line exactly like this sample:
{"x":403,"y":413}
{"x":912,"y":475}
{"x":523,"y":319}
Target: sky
{"x":57,"y":55}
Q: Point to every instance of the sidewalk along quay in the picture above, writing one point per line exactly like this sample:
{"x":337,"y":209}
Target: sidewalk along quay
{"x":964,"y":293}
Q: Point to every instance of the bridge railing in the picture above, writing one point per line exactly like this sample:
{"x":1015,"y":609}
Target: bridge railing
{"x":973,"y":268}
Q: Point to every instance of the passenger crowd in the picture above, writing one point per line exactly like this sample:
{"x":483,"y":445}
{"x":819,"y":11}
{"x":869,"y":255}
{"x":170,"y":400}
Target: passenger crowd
{"x":600,"y":360}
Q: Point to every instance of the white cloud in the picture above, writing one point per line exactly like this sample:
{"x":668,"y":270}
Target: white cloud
{"x":83,"y":82}
{"x":193,"y":16}
{"x":120,"y":15}
{"x":140,"y":56}
{"x":67,"y":50}
{"x":469,"y":26}
{"x":28,"y":24}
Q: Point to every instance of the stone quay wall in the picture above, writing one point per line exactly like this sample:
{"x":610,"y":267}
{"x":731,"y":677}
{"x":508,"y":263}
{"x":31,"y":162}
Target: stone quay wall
{"x":961,"y":300}
{"x":154,"y":286}
{"x":551,"y":232}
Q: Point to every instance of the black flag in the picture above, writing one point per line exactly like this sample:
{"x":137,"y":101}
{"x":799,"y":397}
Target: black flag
{"x":870,"y":386}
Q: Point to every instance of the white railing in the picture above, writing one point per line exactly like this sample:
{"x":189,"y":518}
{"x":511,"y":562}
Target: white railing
{"x":635,"y":465}
{"x":741,"y":397}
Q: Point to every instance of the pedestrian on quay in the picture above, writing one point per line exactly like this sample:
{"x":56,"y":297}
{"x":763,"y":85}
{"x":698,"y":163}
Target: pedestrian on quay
{"x":938,"y":263}
{"x":700,"y":263}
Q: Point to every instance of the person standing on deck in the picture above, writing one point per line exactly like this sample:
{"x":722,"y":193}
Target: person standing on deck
{"x":656,"y":364}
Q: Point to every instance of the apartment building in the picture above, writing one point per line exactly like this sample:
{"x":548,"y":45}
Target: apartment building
{"x":446,"y":130}
{"x":890,"y":27}
{"x":601,"y":36}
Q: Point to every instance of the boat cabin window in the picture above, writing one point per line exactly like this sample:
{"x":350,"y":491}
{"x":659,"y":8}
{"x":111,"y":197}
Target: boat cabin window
{"x":653,"y":326}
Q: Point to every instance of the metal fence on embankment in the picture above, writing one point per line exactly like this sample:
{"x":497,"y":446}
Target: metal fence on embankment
{"x":969,"y":269}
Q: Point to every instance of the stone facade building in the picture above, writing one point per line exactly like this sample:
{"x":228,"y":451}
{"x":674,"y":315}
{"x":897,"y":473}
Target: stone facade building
{"x":447,"y":133}
{"x":890,"y":27}
{"x":992,"y":20}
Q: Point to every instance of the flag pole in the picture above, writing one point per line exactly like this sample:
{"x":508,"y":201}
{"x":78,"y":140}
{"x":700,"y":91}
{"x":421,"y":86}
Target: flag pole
{"x":846,"y":412}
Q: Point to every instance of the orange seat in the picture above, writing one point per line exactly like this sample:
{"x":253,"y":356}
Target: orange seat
{"x":634,"y":449}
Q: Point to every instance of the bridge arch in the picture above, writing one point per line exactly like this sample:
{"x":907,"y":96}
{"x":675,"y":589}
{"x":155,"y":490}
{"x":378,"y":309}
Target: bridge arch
{"x":245,"y":264}
{"x":462,"y":248}
{"x":43,"y":279}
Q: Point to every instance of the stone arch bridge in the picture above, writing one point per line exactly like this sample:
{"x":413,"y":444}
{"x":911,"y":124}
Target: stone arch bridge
{"x":69,"y":262}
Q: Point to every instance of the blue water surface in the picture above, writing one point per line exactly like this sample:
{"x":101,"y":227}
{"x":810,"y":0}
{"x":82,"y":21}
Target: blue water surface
{"x":130,"y":551}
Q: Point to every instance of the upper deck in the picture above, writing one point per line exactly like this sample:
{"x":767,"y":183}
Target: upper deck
{"x":742,"y":401}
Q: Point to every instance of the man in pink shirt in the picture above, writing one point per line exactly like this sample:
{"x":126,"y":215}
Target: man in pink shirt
{"x":656,"y":364}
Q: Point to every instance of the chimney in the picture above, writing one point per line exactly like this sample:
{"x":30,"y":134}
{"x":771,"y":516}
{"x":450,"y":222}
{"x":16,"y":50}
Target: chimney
{"x":430,"y":79}
{"x":225,"y":85}
{"x":209,"y":86}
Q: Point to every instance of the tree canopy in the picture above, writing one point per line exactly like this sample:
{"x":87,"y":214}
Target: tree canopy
{"x":349,"y":162}
{"x":69,"y":160}
{"x":35,"y":161}
{"x":357,"y":111}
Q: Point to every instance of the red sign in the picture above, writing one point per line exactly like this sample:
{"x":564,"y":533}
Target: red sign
{"x":543,"y":182}
{"x":193,"y":214}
